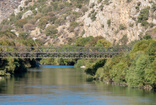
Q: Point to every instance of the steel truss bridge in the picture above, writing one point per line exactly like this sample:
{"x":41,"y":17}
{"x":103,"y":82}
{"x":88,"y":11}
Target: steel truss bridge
{"x":61,"y":52}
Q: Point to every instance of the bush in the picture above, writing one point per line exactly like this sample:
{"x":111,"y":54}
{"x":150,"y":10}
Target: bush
{"x":83,"y":41}
{"x":94,"y":66}
{"x":28,"y":27}
{"x":93,"y":16}
{"x":122,"y":26}
{"x":84,"y":9}
{"x":101,"y":7}
{"x":99,"y":1}
{"x":124,"y":40}
{"x":73,"y":25}
{"x":109,"y":22}
{"x":106,"y":2}
{"x":143,"y":16}
{"x":154,"y":7}
{"x":128,"y":1}
{"x":79,"y":63}
{"x":51,"y":30}
{"x":46,"y":10}
{"x":103,"y":43}
{"x":43,"y":22}
{"x":20,"y":23}
{"x":147,"y":37}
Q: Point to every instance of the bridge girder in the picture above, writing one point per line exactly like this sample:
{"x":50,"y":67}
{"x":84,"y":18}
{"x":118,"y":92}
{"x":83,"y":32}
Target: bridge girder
{"x":61,"y":52}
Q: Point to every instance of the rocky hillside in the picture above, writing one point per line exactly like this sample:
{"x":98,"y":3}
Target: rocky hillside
{"x":7,"y":7}
{"x":120,"y":20}
{"x":63,"y":21}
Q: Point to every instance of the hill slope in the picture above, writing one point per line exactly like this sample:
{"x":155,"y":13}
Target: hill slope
{"x":63,"y":21}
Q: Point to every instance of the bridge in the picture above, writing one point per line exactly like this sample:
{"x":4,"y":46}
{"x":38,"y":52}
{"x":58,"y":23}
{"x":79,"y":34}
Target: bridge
{"x":61,"y":52}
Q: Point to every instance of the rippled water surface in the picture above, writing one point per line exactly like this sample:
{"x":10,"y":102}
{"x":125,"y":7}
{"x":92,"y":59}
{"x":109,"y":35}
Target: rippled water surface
{"x":65,"y":85}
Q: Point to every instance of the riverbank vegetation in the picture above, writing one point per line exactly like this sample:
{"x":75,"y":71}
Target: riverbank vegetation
{"x":11,"y":66}
{"x":134,"y":69}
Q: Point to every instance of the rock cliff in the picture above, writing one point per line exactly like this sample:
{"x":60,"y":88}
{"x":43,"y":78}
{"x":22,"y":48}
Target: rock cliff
{"x":7,"y":7}
{"x":118,"y":21}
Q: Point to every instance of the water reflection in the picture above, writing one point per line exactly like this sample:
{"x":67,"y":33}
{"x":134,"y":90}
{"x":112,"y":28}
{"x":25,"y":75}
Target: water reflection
{"x":67,"y":86}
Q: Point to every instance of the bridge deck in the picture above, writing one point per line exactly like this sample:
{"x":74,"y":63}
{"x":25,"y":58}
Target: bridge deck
{"x":60,"y":52}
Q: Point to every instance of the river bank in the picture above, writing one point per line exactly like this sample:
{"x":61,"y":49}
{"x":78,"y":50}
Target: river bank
{"x":16,"y":66}
{"x":134,"y":69}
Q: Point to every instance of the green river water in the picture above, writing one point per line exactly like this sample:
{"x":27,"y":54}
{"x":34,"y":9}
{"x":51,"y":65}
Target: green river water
{"x":61,"y":85}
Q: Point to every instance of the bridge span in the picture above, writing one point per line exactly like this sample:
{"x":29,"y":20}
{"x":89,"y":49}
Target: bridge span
{"x":61,"y":52}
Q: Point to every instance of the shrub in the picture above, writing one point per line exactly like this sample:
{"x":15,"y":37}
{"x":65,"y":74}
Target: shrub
{"x":73,"y":25}
{"x":19,"y":15}
{"x":24,"y":35}
{"x":20,"y":23}
{"x":128,"y":1}
{"x":80,"y":62}
{"x":140,"y":46}
{"x":45,"y":10}
{"x":147,"y":37}
{"x":94,"y":66}
{"x":93,"y":16}
{"x":99,"y":1}
{"x":43,"y":22}
{"x":106,"y":2}
{"x":101,"y":7}
{"x":51,"y":30}
{"x":122,"y":27}
{"x":59,"y":21}
{"x":34,"y":12}
{"x":154,"y":7}
{"x":28,"y":27}
{"x":124,"y":40}
{"x":109,"y":22}
{"x":103,"y":43}
{"x":83,"y":41}
{"x":94,"y":41}
{"x":53,"y":19}
{"x":144,"y":23}
{"x":84,"y":9}
{"x":143,"y":16}
{"x":5,"y":28}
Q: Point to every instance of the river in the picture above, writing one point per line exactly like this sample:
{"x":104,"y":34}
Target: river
{"x":61,"y":85}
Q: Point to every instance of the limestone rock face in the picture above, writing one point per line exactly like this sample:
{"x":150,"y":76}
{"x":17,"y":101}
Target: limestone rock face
{"x":7,"y":7}
{"x":21,"y":5}
{"x":26,"y":14}
{"x":118,"y":12}
{"x":115,"y":20}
